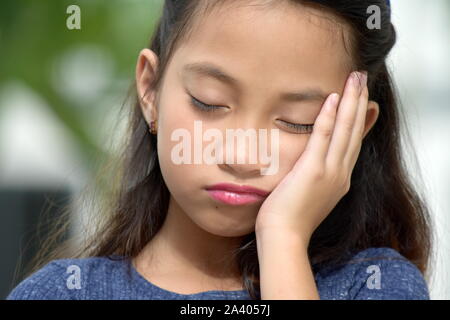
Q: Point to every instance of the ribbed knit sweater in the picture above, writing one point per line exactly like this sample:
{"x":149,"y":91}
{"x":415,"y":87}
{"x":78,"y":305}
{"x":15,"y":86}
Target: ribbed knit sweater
{"x":386,"y":276}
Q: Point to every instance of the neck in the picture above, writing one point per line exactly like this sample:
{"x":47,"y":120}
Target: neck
{"x":182,"y":246}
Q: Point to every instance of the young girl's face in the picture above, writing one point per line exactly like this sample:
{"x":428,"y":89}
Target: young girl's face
{"x":269,"y":52}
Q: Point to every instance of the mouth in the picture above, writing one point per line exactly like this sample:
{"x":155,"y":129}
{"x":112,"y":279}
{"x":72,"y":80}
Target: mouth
{"x":233,"y":194}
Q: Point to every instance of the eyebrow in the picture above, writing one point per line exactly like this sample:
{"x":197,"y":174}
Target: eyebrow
{"x":210,"y":70}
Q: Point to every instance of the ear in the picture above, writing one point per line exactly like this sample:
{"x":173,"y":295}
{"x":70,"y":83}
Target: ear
{"x":146,"y":68}
{"x":373,"y":110}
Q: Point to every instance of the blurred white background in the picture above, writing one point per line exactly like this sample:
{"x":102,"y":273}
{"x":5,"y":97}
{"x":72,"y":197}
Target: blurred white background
{"x":421,"y":68}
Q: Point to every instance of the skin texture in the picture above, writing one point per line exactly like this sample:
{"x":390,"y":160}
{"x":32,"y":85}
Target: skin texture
{"x":284,"y":48}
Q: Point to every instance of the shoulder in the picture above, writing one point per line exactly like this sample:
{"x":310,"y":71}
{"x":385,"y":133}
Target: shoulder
{"x":376,"y":274}
{"x":66,"y":279}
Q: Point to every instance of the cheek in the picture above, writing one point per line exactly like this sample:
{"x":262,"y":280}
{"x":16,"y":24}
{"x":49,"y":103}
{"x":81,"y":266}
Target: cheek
{"x":181,"y":179}
{"x":291,"y":149}
{"x":184,"y":182}
{"x":173,"y":115}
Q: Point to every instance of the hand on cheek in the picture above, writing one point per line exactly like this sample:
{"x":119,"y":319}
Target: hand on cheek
{"x":321,"y":176}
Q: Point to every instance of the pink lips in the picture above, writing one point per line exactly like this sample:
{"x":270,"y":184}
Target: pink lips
{"x":236,"y":195}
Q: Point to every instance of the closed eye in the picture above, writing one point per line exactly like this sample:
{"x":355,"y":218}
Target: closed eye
{"x":297,"y":127}
{"x":203,"y":106}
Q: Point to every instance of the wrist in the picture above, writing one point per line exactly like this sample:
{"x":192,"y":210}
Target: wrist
{"x":277,"y":235}
{"x":273,"y":240}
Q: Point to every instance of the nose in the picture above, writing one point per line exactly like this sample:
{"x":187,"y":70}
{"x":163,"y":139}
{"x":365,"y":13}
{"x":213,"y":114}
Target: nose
{"x":241,"y":155}
{"x":242,"y":171}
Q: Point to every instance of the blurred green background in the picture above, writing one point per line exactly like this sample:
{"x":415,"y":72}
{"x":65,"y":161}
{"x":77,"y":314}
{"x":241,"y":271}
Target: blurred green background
{"x":60,"y":91}
{"x":73,"y":71}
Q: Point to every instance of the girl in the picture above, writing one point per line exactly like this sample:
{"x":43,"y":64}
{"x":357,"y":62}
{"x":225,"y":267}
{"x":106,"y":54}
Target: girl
{"x":338,"y":219}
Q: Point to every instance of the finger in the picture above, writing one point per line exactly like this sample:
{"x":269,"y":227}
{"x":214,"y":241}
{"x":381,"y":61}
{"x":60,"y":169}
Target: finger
{"x":319,"y":141}
{"x":357,"y":135}
{"x":345,"y":120}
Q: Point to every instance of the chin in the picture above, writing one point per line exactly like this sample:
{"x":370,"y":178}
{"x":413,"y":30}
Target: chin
{"x":225,"y":226}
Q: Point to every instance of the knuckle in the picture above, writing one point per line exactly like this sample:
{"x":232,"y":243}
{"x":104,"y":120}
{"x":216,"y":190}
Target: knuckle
{"x":340,"y":179}
{"x":347,"y":126}
{"x":325,"y":131}
{"x":342,"y":183}
{"x":318,"y":173}
{"x":346,"y":188}
{"x":347,"y":184}
{"x":365,"y":92}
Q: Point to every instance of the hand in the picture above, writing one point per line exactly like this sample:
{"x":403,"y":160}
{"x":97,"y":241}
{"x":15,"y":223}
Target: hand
{"x":321,"y":176}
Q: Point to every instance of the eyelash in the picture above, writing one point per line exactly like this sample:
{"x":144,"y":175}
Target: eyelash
{"x":203,"y":106}
{"x":300,"y":128}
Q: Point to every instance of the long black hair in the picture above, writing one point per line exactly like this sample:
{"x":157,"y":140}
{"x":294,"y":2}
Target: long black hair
{"x":381,"y":209}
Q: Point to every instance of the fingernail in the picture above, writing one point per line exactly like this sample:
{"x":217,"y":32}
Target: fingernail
{"x":364,"y":79}
{"x":334,"y":97}
{"x":356,"y":80}
{"x":359,"y":80}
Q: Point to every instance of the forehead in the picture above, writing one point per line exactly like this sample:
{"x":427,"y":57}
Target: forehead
{"x":270,"y":45}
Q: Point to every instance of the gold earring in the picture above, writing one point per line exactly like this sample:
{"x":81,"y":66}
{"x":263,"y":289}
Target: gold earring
{"x":153,"y":127}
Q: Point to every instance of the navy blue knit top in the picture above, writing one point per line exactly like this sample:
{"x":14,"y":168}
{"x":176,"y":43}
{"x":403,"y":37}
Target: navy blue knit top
{"x":374,"y":273}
